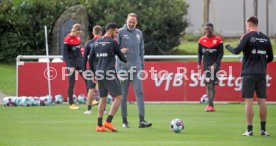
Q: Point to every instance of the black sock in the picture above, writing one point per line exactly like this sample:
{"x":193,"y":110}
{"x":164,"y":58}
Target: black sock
{"x":109,"y":118}
{"x":125,"y":120}
{"x":249,"y":128}
{"x":141,"y":118}
{"x":89,"y":107}
{"x":100,"y":121}
{"x":263,"y":125}
{"x":211,"y":103}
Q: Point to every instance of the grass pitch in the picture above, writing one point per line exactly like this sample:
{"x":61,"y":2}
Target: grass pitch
{"x":58,"y":126}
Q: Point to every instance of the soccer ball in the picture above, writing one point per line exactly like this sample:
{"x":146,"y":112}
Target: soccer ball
{"x":9,"y":101}
{"x":29,"y":101}
{"x":81,"y":98}
{"x":36,"y":101}
{"x":177,"y":125}
{"x":58,"y":99}
{"x":45,"y":100}
{"x":109,"y":99}
{"x":96,"y":94}
{"x":24,"y":101}
{"x":75,"y":98}
{"x":204,"y":99}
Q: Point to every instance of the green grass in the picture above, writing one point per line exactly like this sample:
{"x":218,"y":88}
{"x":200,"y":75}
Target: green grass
{"x":8,"y":79}
{"x":59,"y":126}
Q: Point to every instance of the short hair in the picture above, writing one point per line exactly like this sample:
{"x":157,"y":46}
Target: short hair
{"x":97,"y":29}
{"x":132,"y":15}
{"x":210,"y":25}
{"x":76,"y":27}
{"x":111,"y":26}
{"x":253,"y":19}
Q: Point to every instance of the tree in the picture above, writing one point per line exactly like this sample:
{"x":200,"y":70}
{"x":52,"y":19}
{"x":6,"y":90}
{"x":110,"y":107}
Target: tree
{"x":163,"y":22}
{"x":22,"y":22}
{"x":22,"y":26}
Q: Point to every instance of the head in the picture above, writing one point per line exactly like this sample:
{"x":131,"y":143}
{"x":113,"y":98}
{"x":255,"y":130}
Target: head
{"x":76,"y":29}
{"x":209,"y":29}
{"x":97,"y":30}
{"x":252,"y":23}
{"x":131,"y":21}
{"x":112,"y":30}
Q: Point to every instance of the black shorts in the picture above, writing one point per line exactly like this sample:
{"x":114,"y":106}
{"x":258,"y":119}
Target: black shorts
{"x":252,"y":83}
{"x":109,"y":86}
{"x":90,"y":84}
{"x":211,"y":78}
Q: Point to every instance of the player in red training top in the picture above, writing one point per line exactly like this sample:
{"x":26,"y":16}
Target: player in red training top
{"x":210,"y":47}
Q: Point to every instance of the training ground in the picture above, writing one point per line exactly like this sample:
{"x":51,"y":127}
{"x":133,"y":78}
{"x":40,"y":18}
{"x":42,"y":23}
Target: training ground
{"x":58,"y":126}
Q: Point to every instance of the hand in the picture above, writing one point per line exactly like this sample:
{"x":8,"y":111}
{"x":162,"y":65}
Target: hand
{"x":71,"y":69}
{"x":198,"y":67}
{"x":142,"y":74}
{"x":212,"y":67}
{"x":227,"y":46}
{"x":124,"y":50}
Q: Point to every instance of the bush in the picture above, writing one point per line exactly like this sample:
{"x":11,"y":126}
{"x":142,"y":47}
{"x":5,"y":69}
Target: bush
{"x":22,"y":26}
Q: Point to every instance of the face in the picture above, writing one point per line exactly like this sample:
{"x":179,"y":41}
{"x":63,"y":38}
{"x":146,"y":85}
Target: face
{"x":208,"y":31}
{"x":76,"y":33}
{"x":131,"y":22}
{"x":114,"y":33}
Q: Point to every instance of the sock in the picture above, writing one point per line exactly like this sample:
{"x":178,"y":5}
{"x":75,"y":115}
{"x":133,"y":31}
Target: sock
{"x":89,"y":107}
{"x":141,"y":118}
{"x":109,"y":118}
{"x":100,"y":121}
{"x":125,"y":120}
{"x":263,"y":125}
{"x":249,"y":128}
{"x":211,"y":103}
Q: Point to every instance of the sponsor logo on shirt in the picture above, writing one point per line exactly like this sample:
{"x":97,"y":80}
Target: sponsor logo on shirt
{"x":261,"y":40}
{"x":102,"y":55}
{"x":261,"y":52}
{"x":215,"y":41}
{"x":204,"y":50}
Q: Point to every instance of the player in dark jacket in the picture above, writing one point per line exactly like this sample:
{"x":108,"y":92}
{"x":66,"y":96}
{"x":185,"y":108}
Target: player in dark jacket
{"x":97,"y":33}
{"x":103,"y":53}
{"x":210,"y":47}
{"x":257,"y":52}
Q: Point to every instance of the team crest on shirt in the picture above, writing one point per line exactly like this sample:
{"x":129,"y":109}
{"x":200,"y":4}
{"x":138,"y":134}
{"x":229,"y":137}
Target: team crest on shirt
{"x":138,"y":37}
{"x":252,"y":39}
{"x":215,"y":41}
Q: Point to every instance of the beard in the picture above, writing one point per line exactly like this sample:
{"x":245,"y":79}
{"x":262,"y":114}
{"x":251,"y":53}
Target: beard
{"x":130,"y":28}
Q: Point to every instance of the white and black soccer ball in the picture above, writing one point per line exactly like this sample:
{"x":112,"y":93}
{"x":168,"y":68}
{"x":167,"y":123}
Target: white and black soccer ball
{"x":36,"y":101}
{"x":204,"y":99}
{"x":45,"y":100}
{"x":59,"y":99}
{"x":109,"y":99}
{"x":9,"y":101}
{"x":177,"y":125}
{"x":18,"y":101}
{"x":75,"y":98}
{"x":24,"y":101}
{"x":81,"y":98}
{"x":29,"y":101}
